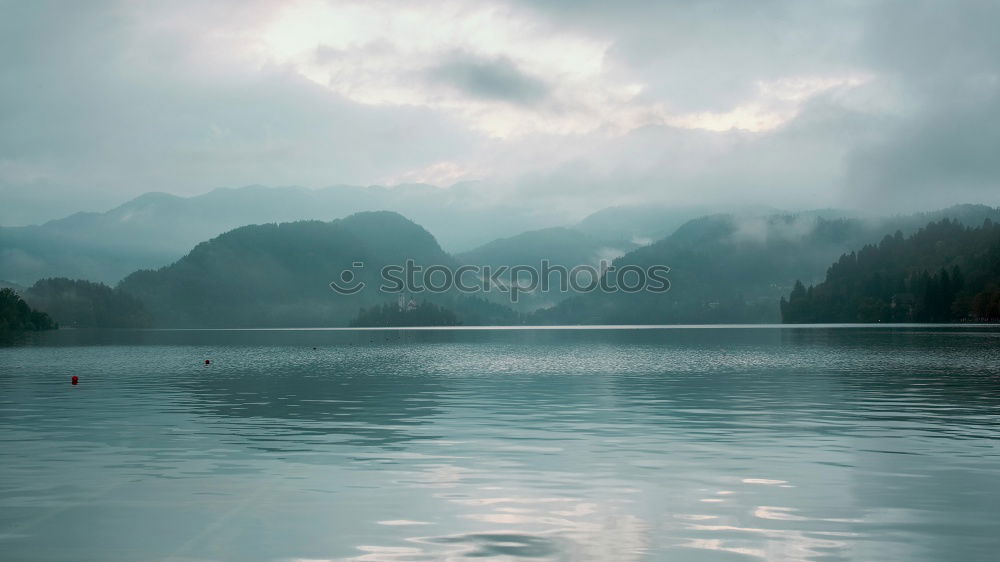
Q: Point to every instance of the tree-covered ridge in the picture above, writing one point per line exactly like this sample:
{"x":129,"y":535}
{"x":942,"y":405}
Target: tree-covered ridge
{"x":408,"y":313}
{"x":945,"y":272}
{"x":279,"y":274}
{"x":724,"y":268}
{"x":17,"y":316}
{"x":733,"y":268}
{"x":83,"y":304}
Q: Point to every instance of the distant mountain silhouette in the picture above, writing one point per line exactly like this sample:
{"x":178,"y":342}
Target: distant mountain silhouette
{"x":638,"y":225}
{"x":560,"y":246}
{"x":156,"y":229}
{"x":726,"y":268}
{"x":276,"y":275}
{"x":9,"y":285}
{"x":279,"y":274}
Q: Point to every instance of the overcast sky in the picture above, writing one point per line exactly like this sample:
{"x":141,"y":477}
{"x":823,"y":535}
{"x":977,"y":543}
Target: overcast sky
{"x":576,"y":103}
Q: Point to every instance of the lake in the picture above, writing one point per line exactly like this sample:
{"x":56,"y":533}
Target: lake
{"x":723,"y":443}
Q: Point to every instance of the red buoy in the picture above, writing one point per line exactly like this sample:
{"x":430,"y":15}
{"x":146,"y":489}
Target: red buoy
{"x":76,"y":379}
{"x":207,"y":362}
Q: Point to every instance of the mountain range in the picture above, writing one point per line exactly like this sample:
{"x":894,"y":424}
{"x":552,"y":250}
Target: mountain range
{"x":725,"y":267}
{"x":280,"y":274}
{"x":156,"y":229}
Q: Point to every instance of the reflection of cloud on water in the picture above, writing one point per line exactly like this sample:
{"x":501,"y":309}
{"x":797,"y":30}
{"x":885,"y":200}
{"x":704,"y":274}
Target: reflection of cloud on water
{"x":794,"y":535}
{"x":547,"y":527}
{"x":765,"y":481}
{"x":717,"y":545}
{"x":802,"y":539}
{"x":609,"y":536}
{"x":787,"y":514}
{"x":437,"y":476}
{"x":779,"y":544}
{"x":520,"y":524}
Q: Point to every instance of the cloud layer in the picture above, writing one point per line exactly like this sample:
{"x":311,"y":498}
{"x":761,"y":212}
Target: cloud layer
{"x":882,"y":104}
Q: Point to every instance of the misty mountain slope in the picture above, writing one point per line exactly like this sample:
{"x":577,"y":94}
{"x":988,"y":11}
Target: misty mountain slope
{"x":83,"y":304}
{"x":9,"y":285}
{"x":560,"y":245}
{"x":642,"y":224}
{"x":945,"y":272}
{"x":735,"y":269}
{"x":279,"y":274}
{"x":156,"y":229}
{"x":30,"y":253}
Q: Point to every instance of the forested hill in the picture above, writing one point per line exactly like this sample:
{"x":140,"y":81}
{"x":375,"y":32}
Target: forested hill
{"x":945,"y":272}
{"x":729,"y":268}
{"x":76,"y":303}
{"x":279,"y":274}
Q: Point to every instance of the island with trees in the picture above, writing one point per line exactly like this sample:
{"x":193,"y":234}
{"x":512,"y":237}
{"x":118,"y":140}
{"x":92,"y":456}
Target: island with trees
{"x":405,"y":313}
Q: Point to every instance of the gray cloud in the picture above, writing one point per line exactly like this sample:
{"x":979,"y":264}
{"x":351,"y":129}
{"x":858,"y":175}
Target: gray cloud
{"x":946,"y":58}
{"x":923,"y":133}
{"x":102,"y":113}
{"x":709,"y":55}
{"x":489,"y":78}
{"x":104,"y":103}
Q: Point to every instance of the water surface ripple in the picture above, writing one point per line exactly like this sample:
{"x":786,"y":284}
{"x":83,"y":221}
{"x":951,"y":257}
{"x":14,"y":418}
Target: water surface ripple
{"x":699,"y":444}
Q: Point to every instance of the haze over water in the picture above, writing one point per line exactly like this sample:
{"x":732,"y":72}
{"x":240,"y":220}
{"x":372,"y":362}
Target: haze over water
{"x":657,"y":444}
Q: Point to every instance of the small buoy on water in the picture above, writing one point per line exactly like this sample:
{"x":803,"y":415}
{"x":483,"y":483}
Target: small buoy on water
{"x":75,"y":379}
{"x":208,"y":362}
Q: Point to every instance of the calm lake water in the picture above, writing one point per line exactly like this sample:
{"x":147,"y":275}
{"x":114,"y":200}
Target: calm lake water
{"x":667,"y":444}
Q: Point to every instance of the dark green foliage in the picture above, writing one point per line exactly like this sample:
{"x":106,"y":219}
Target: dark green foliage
{"x":83,"y":304}
{"x":723,"y":269}
{"x":279,"y":274}
{"x":16,"y":316}
{"x":409,"y":314}
{"x":946,"y":272}
{"x":727,"y":268}
{"x":447,"y":309}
